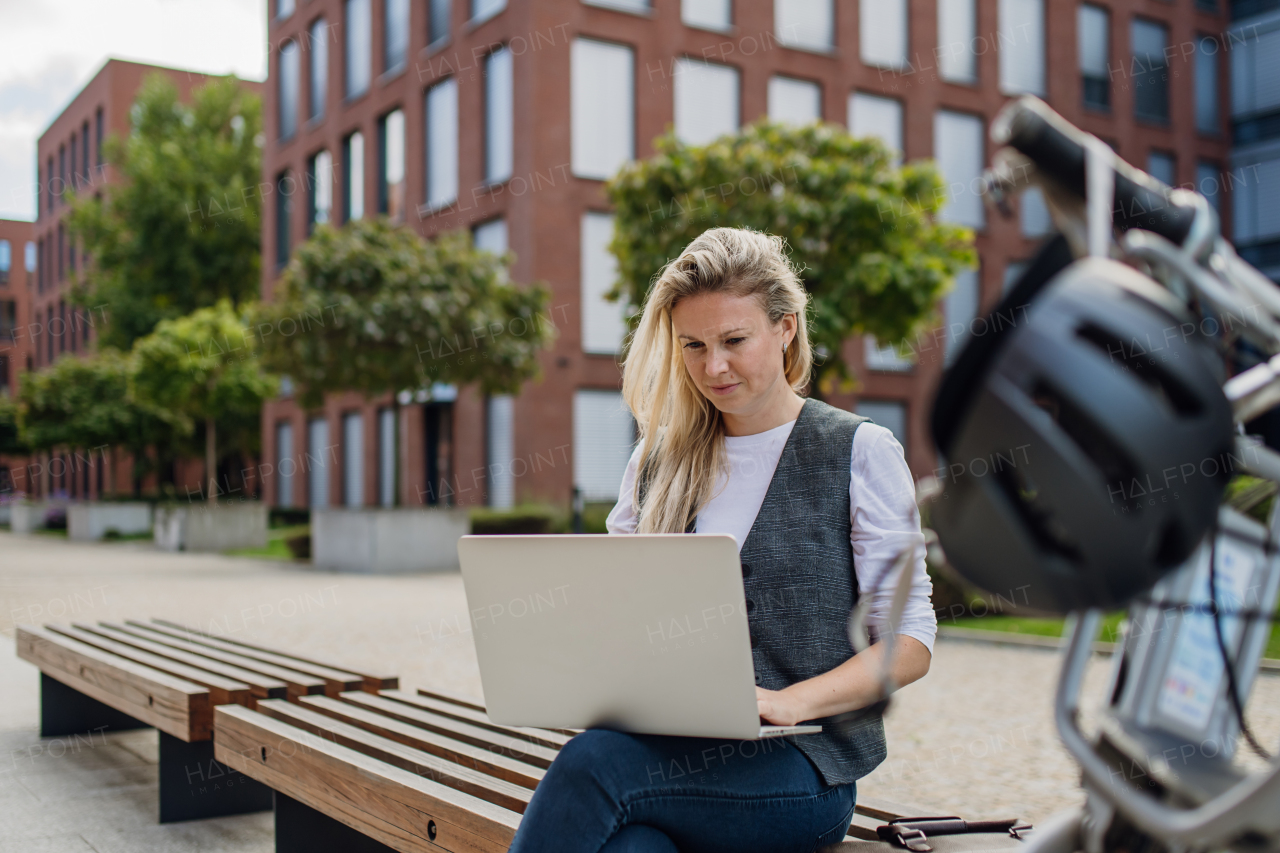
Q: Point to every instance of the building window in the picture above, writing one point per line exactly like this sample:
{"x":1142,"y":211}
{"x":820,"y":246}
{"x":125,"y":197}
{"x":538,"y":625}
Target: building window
{"x":707,"y":14}
{"x":318,"y":455}
{"x":1207,"y":49}
{"x":1209,"y":183}
{"x":957,"y":31}
{"x":84,"y":153}
{"x":319,"y":68}
{"x":1012,"y":274}
{"x":48,"y":331}
{"x":482,"y":10}
{"x":395,"y":35}
{"x":53,"y":186}
{"x":499,"y":116}
{"x":40,"y":267}
{"x":602,"y":107}
{"x":391,"y":165}
{"x":604,"y":323}
{"x":62,"y":170}
{"x":386,"y":457}
{"x":29,"y":257}
{"x":808,"y":24}
{"x":1150,"y":71}
{"x":958,"y":150}
{"x":604,"y":435}
{"x":1160,"y":165}
{"x":71,"y":254}
{"x":99,"y":131}
{"x":353,"y":459}
{"x":353,"y":177}
{"x":39,"y":192}
{"x":890,"y":414}
{"x":359,"y":53}
{"x":1093,"y":35}
{"x":491,"y":236}
{"x":320,"y":190}
{"x":890,"y":357}
{"x":62,"y":249}
{"x":624,"y":5}
{"x":882,"y":33}
{"x":284,"y":8}
{"x":1255,"y":196}
{"x":1033,"y":217}
{"x":284,"y":212}
{"x":72,"y":173}
{"x":442,"y":144}
{"x":286,"y":465}
{"x":438,"y":15}
{"x":793,"y":101}
{"x":1020,"y":43}
{"x":288,"y":89}
{"x":62,"y":325}
{"x":706,"y":98}
{"x":961,"y":309}
{"x":873,"y":115}
{"x":500,"y":450}
{"x":6,"y":260}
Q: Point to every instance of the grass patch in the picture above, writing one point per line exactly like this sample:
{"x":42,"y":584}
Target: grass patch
{"x":275,"y":548}
{"x":1108,"y":631}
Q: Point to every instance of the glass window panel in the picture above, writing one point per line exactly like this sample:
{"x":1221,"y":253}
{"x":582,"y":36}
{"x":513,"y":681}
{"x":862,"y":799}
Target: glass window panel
{"x":602,"y":108}
{"x":392,"y":190}
{"x":1020,"y":45}
{"x":807,"y":23}
{"x":483,"y":9}
{"x":359,"y":57}
{"x":882,"y":32}
{"x":317,"y":463}
{"x":491,"y":236}
{"x":386,"y":457}
{"x":892,"y":356}
{"x":1208,"y":183}
{"x":1161,"y":167}
{"x":961,"y":309}
{"x":1033,"y":216}
{"x":442,"y":143}
{"x":499,"y":116}
{"x":353,"y":459}
{"x":286,"y":465}
{"x":890,"y":414}
{"x":957,"y":29}
{"x":319,"y":47}
{"x":707,"y":14}
{"x":603,"y":438}
{"x":794,"y":101}
{"x":1207,"y":49}
{"x":284,"y":8}
{"x":603,"y":322}
{"x":706,"y":100}
{"x":958,"y":150}
{"x":438,"y":15}
{"x":288,"y":93}
{"x":873,"y":115}
{"x":355,"y":176}
{"x":501,"y":451}
{"x":395,"y":43}
{"x":321,"y":188}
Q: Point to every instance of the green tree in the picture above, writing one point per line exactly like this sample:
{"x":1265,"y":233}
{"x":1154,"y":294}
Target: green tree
{"x":203,"y":369}
{"x":85,"y":404}
{"x":181,"y":229}
{"x":864,"y":231}
{"x":374,"y":308}
{"x":10,"y":442}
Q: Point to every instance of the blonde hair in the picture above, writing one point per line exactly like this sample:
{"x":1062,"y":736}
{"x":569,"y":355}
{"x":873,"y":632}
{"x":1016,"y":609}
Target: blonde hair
{"x":687,"y":450}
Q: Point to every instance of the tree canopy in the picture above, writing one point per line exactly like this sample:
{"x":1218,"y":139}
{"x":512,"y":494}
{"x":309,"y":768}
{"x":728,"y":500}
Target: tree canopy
{"x":873,"y":255}
{"x":203,"y":368}
{"x":181,"y":229}
{"x":373,"y":307}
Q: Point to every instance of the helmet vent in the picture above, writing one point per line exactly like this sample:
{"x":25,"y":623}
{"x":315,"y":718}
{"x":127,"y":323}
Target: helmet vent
{"x":1142,"y":361}
{"x":1112,"y":464}
{"x":1025,"y":498}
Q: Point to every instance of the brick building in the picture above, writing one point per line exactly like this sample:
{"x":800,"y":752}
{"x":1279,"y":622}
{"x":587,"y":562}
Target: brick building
{"x":504,"y":116}
{"x":17,"y":274}
{"x":70,"y":158}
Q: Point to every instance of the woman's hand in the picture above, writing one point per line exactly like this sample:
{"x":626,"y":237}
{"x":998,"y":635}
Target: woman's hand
{"x":780,"y":707}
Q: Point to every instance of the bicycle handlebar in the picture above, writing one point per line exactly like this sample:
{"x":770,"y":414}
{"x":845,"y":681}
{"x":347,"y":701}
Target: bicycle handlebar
{"x":1058,"y":151}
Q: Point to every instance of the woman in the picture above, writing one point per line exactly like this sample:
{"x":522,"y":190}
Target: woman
{"x":820,"y":501}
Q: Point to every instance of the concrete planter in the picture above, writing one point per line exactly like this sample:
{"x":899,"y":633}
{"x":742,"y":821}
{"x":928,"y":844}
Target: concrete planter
{"x":89,"y":522}
{"x":27,"y":517}
{"x":381,"y":541}
{"x":200,"y":527}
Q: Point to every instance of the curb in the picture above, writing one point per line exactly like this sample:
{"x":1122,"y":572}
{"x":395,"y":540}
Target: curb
{"x":1008,"y":638}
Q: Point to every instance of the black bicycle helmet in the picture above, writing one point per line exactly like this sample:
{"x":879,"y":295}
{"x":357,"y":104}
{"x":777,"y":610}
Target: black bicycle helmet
{"x":1085,"y":439}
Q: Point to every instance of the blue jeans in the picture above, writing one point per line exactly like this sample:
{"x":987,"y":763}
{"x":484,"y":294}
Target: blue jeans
{"x":613,"y":792}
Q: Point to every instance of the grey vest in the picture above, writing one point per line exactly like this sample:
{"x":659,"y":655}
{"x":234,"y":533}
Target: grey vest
{"x":797,"y":571}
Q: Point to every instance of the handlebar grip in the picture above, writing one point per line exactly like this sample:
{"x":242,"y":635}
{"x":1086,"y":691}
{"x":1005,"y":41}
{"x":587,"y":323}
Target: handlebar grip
{"x":1057,"y":149}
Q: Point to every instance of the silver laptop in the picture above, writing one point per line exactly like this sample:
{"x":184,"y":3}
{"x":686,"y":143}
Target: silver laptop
{"x":642,"y":633}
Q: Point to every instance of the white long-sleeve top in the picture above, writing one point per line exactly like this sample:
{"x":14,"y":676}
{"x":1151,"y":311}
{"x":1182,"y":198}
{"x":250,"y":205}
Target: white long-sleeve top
{"x":882,"y":504}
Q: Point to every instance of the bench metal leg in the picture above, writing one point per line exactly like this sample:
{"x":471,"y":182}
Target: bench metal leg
{"x":193,"y":785}
{"x":66,"y":711}
{"x":302,"y":829}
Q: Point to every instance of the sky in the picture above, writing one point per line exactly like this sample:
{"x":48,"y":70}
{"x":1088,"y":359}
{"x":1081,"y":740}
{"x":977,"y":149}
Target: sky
{"x":49,"y":50}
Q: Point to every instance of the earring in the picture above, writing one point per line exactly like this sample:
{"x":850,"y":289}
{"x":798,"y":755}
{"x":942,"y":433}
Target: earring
{"x":784,"y":346}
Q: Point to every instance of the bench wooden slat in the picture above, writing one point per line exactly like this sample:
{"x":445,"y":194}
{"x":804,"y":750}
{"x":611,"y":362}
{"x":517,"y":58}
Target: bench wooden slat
{"x":520,"y":748}
{"x":171,"y":704}
{"x":543,"y":737}
{"x":487,"y":760}
{"x":477,"y":705}
{"x":372,"y":682}
{"x":336,"y":680}
{"x":263,"y":686}
{"x":386,"y":803}
{"x":297,"y":683}
{"x":473,"y":782}
{"x":222,"y":691}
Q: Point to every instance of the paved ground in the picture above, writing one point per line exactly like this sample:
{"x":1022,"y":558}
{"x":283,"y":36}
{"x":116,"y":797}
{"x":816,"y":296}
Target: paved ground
{"x":975,"y":737}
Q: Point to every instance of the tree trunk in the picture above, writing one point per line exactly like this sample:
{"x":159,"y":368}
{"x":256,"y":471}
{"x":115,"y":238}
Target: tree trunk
{"x":211,"y":458}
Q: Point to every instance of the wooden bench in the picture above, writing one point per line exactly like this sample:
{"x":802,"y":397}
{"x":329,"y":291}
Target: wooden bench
{"x":424,"y":771}
{"x":113,"y":676}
